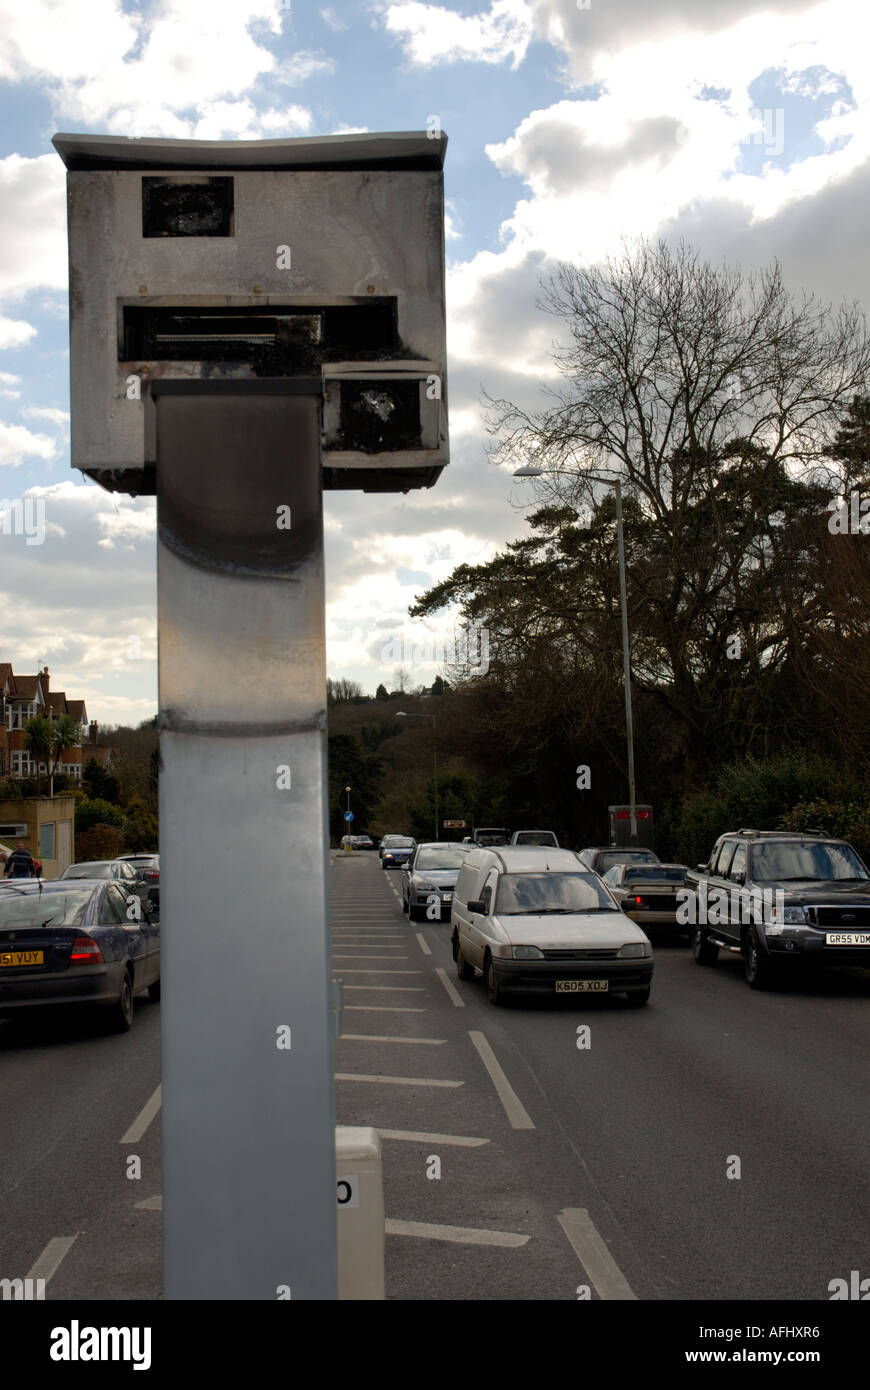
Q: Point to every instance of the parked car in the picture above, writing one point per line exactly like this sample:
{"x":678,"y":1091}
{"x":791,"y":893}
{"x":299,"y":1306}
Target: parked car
{"x":71,"y":941}
{"x":600,"y":858}
{"x":535,"y":837}
{"x":429,"y":877}
{"x":396,"y":850}
{"x":647,"y":893}
{"x":488,"y":835}
{"x":130,"y":879}
{"x":357,"y":842}
{"x":547,"y":926}
{"x":783,"y":901}
{"x":148,"y":865}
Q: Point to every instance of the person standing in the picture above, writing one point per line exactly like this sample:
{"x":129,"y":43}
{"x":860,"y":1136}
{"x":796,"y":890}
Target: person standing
{"x":20,"y":863}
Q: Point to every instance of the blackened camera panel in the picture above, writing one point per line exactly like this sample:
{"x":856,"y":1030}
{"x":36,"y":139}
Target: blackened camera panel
{"x":272,"y":340}
{"x":177,"y":207}
{"x":379,"y":416}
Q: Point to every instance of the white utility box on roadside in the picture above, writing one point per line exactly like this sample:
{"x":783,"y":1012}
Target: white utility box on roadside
{"x":361,"y":1223}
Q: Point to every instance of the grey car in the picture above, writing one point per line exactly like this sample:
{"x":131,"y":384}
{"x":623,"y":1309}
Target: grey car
{"x":600,"y":858}
{"x":429,"y":878}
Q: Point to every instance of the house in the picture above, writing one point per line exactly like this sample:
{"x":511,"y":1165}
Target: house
{"x":22,"y":697}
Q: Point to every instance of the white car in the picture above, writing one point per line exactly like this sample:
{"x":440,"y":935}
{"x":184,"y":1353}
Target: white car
{"x":545,"y":924}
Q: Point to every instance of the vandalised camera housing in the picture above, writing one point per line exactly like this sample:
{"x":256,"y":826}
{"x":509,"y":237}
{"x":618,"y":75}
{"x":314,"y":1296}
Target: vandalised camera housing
{"x":260,"y":260}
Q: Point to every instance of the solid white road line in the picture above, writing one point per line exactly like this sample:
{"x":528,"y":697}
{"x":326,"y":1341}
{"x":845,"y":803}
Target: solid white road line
{"x":346,"y":955}
{"x":379,"y":1009}
{"x":49,"y":1260}
{"x":373,"y":1037}
{"x":424,"y":947}
{"x":453,"y":995}
{"x":604,"y":1273}
{"x":514,"y":1109}
{"x":142,"y":1120}
{"x":394,"y":989}
{"x":460,"y":1235}
{"x":395,"y":1080}
{"x":151,"y":1204}
{"x":415,"y":1137}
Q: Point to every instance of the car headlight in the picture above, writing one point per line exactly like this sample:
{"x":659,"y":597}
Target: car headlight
{"x":425,"y":887}
{"x":527,"y":953}
{"x":788,"y":916}
{"x":635,"y":948}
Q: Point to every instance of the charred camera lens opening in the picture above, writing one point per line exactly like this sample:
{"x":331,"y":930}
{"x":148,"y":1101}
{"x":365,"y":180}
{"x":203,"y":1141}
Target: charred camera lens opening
{"x":187,"y":207}
{"x":380,"y":416}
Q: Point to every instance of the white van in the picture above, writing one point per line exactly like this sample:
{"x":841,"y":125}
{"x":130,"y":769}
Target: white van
{"x":539,"y":920}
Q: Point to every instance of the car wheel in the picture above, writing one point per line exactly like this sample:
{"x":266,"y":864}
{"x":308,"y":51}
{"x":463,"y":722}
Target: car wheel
{"x":463,"y":969}
{"x":493,"y":993}
{"x":703,"y":950}
{"x":760,"y":972}
{"x":154,"y":992}
{"x":637,"y":997}
{"x":120,"y":1014}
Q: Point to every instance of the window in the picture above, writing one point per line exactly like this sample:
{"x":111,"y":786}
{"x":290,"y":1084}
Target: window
{"x":738,"y":863}
{"x":488,"y":889}
{"x":112,"y":908}
{"x":723,"y":859}
{"x":47,"y":841}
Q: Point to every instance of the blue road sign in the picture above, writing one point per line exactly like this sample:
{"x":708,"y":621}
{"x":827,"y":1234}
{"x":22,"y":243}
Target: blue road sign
{"x":348,"y":815}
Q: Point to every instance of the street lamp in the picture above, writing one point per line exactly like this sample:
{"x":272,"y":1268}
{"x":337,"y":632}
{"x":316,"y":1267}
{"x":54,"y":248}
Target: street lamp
{"x":403,"y":714}
{"x":347,"y":820}
{"x":532,"y":471}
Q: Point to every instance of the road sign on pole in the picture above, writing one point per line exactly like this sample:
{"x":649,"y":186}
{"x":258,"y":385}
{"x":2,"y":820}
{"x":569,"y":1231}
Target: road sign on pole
{"x":348,"y":815}
{"x":453,"y":824}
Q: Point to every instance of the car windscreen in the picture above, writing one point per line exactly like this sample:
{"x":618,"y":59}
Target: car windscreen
{"x":778,"y":861}
{"x":537,"y":837}
{"x":400,"y":842}
{"x":607,"y":861}
{"x":654,"y":874}
{"x":431,"y":859}
{"x":87,"y":871}
{"x":551,"y":892}
{"x":61,"y":909}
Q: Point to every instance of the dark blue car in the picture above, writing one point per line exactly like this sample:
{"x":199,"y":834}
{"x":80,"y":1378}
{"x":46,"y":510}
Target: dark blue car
{"x":76,"y":941}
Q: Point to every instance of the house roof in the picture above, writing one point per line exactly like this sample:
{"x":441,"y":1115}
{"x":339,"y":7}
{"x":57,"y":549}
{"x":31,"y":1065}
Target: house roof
{"x":25,"y":687}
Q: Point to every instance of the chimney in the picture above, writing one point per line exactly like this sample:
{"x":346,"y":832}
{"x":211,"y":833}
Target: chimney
{"x":93,"y":731}
{"x":45,"y":681}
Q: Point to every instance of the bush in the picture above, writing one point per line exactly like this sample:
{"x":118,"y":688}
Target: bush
{"x":96,"y":812}
{"x":845,"y":820}
{"x":763,"y":795}
{"x":99,"y":842}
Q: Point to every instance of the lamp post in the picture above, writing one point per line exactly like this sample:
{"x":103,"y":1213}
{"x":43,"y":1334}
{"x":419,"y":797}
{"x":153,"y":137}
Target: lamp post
{"x":403,"y":714}
{"x":348,"y":822}
{"x":531,"y":471}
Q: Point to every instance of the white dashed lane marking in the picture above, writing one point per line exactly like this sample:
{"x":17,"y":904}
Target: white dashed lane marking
{"x":604,"y":1273}
{"x":460,"y":1235}
{"x":453,"y":995}
{"x":395,"y":1080}
{"x":50,"y":1259}
{"x":517,"y":1114}
{"x":143,"y":1119}
{"x":416,"y":1137}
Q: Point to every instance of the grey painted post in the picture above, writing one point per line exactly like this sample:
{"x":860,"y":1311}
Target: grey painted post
{"x":249,"y":1128}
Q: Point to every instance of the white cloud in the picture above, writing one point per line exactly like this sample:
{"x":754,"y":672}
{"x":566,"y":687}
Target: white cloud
{"x":302,"y":66}
{"x":163,"y":73}
{"x":332,"y":20}
{"x":17,"y":443}
{"x":8,"y":383}
{"x":47,"y":412}
{"x":432,"y":34}
{"x":15,"y":332}
{"x":33,"y":248}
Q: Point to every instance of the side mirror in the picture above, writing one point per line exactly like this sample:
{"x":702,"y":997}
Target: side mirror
{"x":702,"y":868}
{"x":477,"y":905}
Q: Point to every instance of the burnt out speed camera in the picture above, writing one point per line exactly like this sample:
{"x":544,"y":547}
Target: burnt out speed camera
{"x":258,"y":261}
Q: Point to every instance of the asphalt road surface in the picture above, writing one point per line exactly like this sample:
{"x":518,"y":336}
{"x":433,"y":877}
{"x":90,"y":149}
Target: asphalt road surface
{"x":517,"y":1165}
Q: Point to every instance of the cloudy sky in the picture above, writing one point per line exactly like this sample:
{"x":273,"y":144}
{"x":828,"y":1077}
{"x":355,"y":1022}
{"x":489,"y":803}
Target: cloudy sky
{"x":740,"y":125}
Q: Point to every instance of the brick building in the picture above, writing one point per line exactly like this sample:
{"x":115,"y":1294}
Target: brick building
{"x":21,"y":697}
